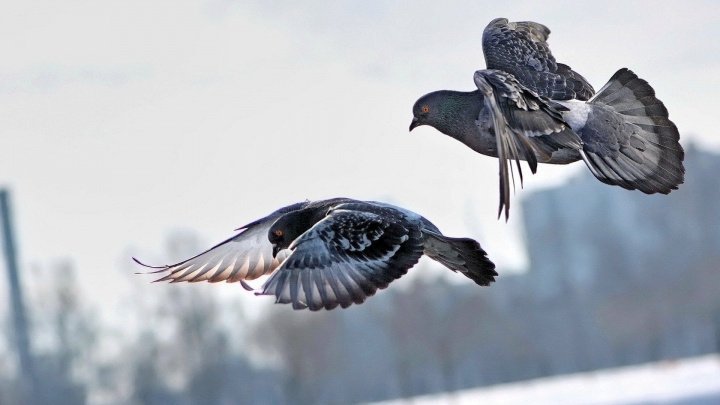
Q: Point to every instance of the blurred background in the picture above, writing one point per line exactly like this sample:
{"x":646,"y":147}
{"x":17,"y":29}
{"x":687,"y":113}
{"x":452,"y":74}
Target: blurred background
{"x":153,"y":129}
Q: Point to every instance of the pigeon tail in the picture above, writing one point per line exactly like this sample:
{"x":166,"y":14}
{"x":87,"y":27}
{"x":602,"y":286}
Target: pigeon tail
{"x":461,"y":254}
{"x":628,"y":138}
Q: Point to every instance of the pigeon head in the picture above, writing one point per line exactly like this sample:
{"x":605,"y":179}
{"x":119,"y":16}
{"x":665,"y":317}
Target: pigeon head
{"x":291,"y":225}
{"x":447,"y":111}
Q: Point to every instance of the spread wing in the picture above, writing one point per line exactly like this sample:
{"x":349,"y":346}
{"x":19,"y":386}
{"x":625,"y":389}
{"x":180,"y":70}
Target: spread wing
{"x":245,"y":256}
{"x":343,"y":259}
{"x":526,"y":127}
{"x":521,"y":48}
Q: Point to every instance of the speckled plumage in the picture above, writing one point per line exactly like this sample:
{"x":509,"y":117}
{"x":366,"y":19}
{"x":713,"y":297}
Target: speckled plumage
{"x":529,"y":107}
{"x":521,"y":49}
{"x":330,"y":253}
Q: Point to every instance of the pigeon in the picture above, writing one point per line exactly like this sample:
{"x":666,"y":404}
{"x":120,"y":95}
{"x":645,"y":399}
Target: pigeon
{"x":326,"y":253}
{"x":526,"y":106}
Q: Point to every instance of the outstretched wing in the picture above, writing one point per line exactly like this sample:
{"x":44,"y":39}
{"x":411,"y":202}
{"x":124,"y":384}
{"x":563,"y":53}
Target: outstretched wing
{"x":245,"y":256}
{"x":344,"y":259}
{"x":526,"y":127}
{"x":521,"y":48}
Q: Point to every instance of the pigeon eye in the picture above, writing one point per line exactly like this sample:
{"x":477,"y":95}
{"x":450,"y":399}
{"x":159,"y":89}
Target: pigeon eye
{"x":425,"y":109}
{"x":278,"y":233}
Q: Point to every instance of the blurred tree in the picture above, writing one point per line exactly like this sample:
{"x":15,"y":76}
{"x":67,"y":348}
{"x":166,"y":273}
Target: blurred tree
{"x":184,"y":353}
{"x":309,"y":347}
{"x":425,"y":332}
{"x":148,"y":378}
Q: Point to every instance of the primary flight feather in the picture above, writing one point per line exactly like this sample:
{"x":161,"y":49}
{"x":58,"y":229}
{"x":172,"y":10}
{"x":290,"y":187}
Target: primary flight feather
{"x":329,"y":253}
{"x":527,"y":106}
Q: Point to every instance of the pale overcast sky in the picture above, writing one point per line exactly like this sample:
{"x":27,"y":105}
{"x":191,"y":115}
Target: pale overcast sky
{"x":122,"y":121}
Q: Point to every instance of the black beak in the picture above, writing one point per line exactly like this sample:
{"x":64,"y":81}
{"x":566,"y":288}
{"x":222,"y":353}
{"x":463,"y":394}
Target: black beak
{"x":414,"y":123}
{"x":276,"y":249}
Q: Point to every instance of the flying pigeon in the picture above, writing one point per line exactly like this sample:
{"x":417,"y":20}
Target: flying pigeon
{"x":529,"y":107}
{"x":332,"y":252}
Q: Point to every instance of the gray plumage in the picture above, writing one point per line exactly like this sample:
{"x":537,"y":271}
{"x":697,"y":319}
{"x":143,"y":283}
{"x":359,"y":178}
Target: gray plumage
{"x":332,"y":252}
{"x":525,"y":126}
{"x":628,"y":139}
{"x":521,"y":49}
{"x":623,"y":133}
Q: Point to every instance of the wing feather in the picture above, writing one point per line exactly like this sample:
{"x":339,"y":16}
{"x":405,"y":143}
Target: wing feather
{"x":521,"y":49}
{"x":526,"y":127}
{"x":343,"y":259}
{"x":245,"y":256}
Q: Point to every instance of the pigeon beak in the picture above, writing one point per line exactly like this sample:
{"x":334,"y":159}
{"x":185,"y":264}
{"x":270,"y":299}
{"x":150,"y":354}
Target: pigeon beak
{"x":276,"y":249}
{"x":415,"y":123}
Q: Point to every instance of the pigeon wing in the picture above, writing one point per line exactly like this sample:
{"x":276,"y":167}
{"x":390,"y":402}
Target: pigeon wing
{"x":343,"y":259}
{"x":526,"y":126}
{"x":245,"y":256}
{"x":521,"y":48}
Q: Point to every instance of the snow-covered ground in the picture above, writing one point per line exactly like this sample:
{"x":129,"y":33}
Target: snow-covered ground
{"x":687,"y":381}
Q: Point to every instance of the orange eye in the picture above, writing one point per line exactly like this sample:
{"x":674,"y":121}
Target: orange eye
{"x":425,"y":109}
{"x":278,"y":233}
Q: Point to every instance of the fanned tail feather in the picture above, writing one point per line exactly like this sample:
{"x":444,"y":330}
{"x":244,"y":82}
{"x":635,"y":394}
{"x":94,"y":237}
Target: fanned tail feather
{"x":648,"y":156}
